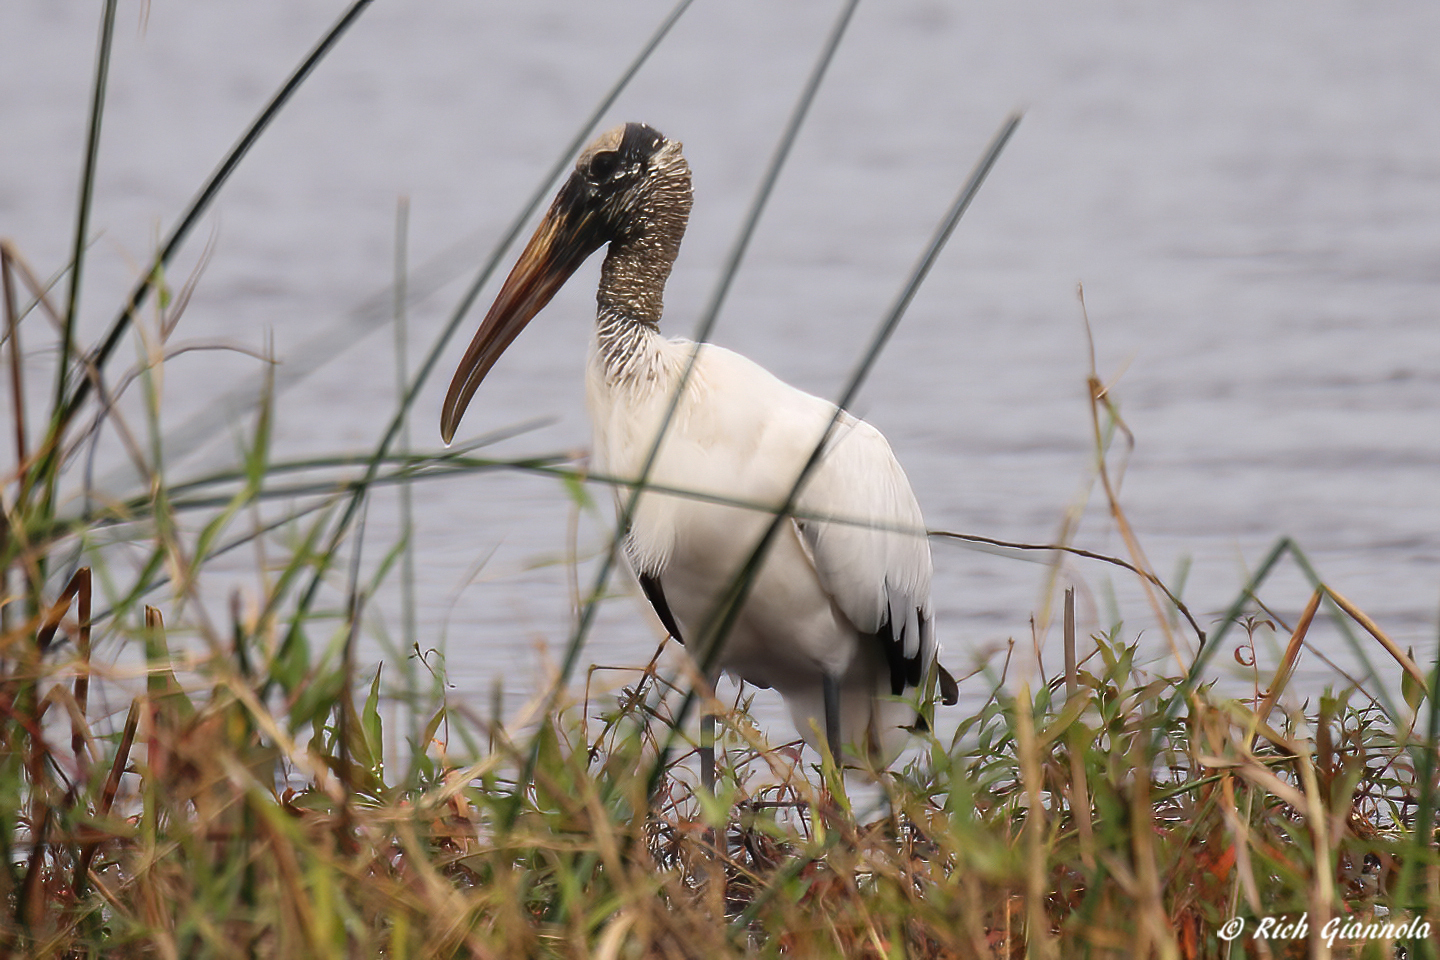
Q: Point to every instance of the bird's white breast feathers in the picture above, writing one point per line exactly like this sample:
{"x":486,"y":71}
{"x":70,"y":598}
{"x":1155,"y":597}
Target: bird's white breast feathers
{"x":741,"y":434}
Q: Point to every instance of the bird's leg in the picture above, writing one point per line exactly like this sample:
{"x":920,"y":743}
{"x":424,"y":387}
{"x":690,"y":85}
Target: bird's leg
{"x":707,"y":737}
{"x":714,"y":869}
{"x":831,"y":688}
{"x":707,"y":749}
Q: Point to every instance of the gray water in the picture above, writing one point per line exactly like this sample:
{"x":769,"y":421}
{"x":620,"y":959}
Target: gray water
{"x":1250,"y":194}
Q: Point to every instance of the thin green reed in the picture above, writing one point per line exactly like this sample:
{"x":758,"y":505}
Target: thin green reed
{"x":422,"y":374}
{"x":707,"y":324}
{"x":97,"y":357}
{"x":409,"y":635}
{"x":722,"y":619}
{"x":87,"y":194}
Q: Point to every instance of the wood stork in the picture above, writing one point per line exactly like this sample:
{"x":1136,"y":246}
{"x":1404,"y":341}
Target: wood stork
{"x":838,"y":619}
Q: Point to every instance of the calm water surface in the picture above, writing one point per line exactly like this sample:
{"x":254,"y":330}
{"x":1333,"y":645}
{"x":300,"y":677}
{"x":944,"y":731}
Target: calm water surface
{"x":1250,"y":195}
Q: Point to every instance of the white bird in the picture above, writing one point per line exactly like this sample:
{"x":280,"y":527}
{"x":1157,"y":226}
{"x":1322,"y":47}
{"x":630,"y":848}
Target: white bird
{"x":838,"y":619}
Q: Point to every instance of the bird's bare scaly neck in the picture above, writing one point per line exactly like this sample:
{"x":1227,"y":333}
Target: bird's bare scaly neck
{"x":638,"y":263}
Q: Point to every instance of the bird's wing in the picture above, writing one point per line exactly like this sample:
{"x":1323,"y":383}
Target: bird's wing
{"x":863,"y":527}
{"x":655,"y":593}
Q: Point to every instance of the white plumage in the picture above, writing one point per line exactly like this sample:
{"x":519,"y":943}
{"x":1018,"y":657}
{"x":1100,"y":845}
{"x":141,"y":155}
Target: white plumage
{"x":842,"y":598}
{"x":824,"y":588}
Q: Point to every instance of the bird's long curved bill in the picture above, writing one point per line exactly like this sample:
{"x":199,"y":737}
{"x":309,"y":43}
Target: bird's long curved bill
{"x":561,"y":243}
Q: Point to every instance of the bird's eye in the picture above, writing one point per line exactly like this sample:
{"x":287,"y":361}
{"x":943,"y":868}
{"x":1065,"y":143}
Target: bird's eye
{"x":604,"y":166}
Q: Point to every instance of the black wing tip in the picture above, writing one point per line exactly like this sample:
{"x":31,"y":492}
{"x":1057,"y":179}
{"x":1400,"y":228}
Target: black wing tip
{"x":655,"y":593}
{"x":906,"y":672}
{"x":949,"y":689}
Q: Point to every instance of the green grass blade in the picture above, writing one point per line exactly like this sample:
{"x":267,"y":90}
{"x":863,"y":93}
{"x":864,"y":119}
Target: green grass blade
{"x":728,"y":608}
{"x":178,"y":234}
{"x":408,"y":630}
{"x":757,"y":207}
{"x":87,"y":192}
{"x":468,"y":299}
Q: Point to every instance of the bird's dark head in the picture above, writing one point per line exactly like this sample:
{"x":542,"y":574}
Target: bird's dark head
{"x":625,"y":184}
{"x":631,"y":189}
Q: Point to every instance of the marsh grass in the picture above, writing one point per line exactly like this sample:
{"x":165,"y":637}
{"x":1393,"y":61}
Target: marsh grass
{"x":236,"y":784}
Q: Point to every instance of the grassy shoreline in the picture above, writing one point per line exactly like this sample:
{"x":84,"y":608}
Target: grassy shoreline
{"x":226,"y":783}
{"x":1107,"y":811}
